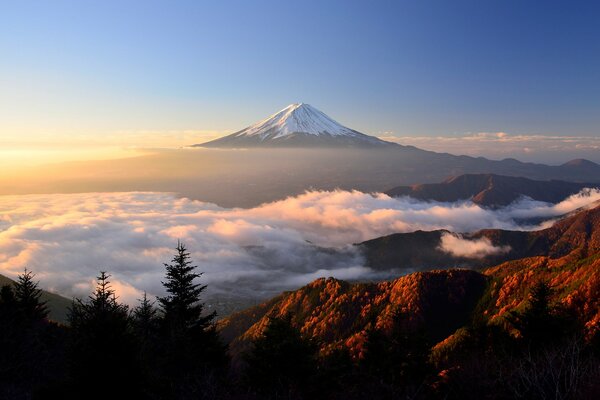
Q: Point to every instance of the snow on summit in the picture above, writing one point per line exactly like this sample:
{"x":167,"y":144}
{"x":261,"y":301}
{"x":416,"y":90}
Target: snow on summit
{"x":297,"y":125}
{"x":298,"y":117}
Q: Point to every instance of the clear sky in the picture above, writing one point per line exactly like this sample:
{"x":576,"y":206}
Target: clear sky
{"x":134,"y":69}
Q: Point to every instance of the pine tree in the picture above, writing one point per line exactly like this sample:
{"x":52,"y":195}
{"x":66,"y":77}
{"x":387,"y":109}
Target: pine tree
{"x":535,"y":322}
{"x":32,"y":346}
{"x":145,"y":319}
{"x":396,"y":357}
{"x":191,"y":351}
{"x":146,"y":329}
{"x":182,"y":308}
{"x":543,"y":322}
{"x":28,"y":295}
{"x":103,"y":347}
{"x":281,"y":363}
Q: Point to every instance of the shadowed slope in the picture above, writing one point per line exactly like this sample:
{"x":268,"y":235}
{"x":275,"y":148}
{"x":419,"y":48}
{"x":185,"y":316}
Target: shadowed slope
{"x":491,"y":190}
{"x":421,"y":250}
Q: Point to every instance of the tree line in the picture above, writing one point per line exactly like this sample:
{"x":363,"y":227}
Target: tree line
{"x":170,"y":349}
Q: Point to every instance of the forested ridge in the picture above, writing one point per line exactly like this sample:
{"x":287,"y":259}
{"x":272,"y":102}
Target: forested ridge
{"x":516,"y":331}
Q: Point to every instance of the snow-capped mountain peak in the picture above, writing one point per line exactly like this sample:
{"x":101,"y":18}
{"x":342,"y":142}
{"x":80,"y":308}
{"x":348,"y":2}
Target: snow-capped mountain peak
{"x":297,"y":125}
{"x":298,"y":117}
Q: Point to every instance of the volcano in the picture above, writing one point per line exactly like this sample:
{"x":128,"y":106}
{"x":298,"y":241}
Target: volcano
{"x":297,"y":125}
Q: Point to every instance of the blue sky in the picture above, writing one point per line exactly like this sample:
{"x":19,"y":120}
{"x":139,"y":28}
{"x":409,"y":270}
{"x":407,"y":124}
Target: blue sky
{"x":413,"y":68}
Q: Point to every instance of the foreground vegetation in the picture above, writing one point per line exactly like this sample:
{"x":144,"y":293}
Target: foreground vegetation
{"x":171,"y":349}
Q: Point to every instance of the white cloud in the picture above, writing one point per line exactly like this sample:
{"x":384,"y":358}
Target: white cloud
{"x":245,"y":253}
{"x":456,"y":245}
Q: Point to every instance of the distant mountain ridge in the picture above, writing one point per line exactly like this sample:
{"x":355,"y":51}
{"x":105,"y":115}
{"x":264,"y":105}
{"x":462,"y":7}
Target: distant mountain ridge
{"x":421,"y":250}
{"x":300,"y":147}
{"x":276,"y":163}
{"x":297,"y":125}
{"x":493,"y":190}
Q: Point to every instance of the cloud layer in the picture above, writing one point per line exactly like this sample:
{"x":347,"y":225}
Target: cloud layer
{"x":245,"y":253}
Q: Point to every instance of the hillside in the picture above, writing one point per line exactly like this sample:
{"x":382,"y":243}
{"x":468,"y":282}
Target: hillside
{"x":417,"y":251}
{"x":57,"y":305}
{"x":492,"y":190}
{"x":338,"y":313}
{"x":247,"y":178}
{"x":571,"y":265}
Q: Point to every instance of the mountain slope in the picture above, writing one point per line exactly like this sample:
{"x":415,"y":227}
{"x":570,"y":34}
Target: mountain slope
{"x":297,"y":125}
{"x":571,"y":264}
{"x":491,"y":190}
{"x":338,"y":313}
{"x":417,"y":251}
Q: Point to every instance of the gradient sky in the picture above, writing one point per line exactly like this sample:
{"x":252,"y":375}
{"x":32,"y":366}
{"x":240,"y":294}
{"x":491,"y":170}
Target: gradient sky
{"x":401,"y":68}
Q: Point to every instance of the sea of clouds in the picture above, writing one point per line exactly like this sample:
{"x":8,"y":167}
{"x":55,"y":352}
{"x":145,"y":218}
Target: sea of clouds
{"x":244,"y":253}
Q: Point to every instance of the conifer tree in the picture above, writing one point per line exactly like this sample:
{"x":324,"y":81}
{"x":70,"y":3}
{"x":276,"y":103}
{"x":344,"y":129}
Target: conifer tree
{"x":103,"y":347}
{"x":181,"y":307}
{"x":191,"y":349}
{"x":397,"y":357}
{"x":282,"y":362}
{"x":540,"y":321}
{"x":145,"y":319}
{"x":27,"y":295}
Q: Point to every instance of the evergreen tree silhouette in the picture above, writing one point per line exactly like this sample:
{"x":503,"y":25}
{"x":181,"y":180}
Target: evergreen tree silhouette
{"x":192,"y":355}
{"x":103,"y":346}
{"x":541,"y":321}
{"x":396,"y":359}
{"x":182,"y":308}
{"x":554,"y":358}
{"x":145,"y":319}
{"x":28,"y":295}
{"x":281,"y":362}
{"x":145,"y":322}
{"x":32,"y":346}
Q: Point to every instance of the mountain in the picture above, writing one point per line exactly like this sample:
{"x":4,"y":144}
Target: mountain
{"x":297,"y":125}
{"x":265,"y":172}
{"x":58,"y":306}
{"x":418,"y":251}
{"x":492,"y":190}
{"x":338,"y":314}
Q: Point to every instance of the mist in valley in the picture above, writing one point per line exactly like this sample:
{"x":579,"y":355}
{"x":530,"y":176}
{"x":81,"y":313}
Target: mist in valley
{"x":249,"y":177}
{"x":247,"y":255}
